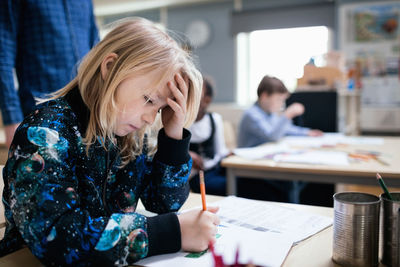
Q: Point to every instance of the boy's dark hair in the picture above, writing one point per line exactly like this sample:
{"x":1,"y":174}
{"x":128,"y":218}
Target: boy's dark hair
{"x":271,"y":85}
{"x":209,"y":87}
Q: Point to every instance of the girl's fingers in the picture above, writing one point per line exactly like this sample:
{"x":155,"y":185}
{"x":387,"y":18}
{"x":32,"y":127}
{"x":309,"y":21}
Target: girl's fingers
{"x":182,"y":84}
{"x":213,"y":209}
{"x":179,"y":97}
{"x":216,"y":221}
{"x":187,"y":83}
{"x":174,"y":106}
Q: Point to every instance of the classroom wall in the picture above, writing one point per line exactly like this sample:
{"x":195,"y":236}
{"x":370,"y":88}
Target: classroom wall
{"x":217,"y":58}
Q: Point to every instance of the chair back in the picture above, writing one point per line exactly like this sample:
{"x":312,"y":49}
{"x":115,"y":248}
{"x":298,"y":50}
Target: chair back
{"x":320,"y":110}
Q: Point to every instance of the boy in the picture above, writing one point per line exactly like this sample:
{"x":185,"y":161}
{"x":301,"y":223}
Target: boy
{"x":263,"y":122}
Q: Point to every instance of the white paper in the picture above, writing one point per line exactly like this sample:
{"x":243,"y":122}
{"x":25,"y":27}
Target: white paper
{"x":177,"y":259}
{"x":260,"y":152}
{"x":270,"y":217}
{"x":356,"y":140}
{"x":330,"y":139}
{"x":264,"y":233}
{"x":335,"y":158}
{"x":264,"y":249}
{"x":259,"y":248}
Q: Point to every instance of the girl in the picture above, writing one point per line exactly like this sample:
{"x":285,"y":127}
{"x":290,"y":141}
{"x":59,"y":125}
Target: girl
{"x":79,"y":164}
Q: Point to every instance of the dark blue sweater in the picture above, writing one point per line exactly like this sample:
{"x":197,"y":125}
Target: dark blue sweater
{"x":71,"y":208}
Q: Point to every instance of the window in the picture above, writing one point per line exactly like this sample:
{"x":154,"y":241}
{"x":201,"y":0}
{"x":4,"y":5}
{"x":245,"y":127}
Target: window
{"x":281,"y":53}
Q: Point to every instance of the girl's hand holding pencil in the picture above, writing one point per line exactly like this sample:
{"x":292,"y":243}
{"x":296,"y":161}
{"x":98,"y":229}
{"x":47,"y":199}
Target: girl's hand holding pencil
{"x":199,"y":227}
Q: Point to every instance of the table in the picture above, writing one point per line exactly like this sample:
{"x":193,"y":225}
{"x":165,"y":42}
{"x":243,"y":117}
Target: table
{"x":355,"y":173}
{"x":314,"y":251}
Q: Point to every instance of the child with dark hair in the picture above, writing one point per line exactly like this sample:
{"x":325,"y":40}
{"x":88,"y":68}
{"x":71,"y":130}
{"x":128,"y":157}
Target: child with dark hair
{"x":207,"y":146}
{"x":267,"y":121}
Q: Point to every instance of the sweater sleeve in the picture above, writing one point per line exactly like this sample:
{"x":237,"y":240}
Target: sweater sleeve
{"x":44,"y":198}
{"x":257,"y":127}
{"x":165,"y":190}
{"x":166,"y":187}
{"x":53,"y":219}
{"x":297,"y":130}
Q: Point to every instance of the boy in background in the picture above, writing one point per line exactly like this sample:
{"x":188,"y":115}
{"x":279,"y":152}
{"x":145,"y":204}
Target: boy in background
{"x":266,"y":121}
{"x":207,"y":146}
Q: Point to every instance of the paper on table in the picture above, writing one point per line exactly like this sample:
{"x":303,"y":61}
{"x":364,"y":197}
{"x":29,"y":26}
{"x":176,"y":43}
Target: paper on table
{"x":260,"y":152}
{"x":314,"y":157}
{"x":264,"y":249}
{"x":330,"y":139}
{"x":269,"y":217}
{"x":263,"y":231}
{"x":356,"y":140}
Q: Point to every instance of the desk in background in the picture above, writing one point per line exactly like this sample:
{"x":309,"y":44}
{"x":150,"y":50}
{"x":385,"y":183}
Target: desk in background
{"x":356,"y":173}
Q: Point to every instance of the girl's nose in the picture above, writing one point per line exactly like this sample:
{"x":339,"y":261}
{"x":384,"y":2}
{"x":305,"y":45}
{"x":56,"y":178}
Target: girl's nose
{"x":149,"y":117}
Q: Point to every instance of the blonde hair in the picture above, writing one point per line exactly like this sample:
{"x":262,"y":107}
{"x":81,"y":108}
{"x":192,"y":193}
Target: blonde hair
{"x":140,"y":46}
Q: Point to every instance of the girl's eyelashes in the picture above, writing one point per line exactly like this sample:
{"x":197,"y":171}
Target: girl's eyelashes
{"x":147,"y":99}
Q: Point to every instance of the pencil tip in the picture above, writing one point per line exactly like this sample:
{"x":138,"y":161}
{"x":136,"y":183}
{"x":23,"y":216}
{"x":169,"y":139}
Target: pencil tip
{"x":378,"y":176}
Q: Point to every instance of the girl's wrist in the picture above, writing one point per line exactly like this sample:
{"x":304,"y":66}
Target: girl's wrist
{"x":175,"y":133}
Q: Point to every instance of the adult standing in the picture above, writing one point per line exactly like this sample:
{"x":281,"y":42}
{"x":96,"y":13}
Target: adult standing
{"x":42,"y":41}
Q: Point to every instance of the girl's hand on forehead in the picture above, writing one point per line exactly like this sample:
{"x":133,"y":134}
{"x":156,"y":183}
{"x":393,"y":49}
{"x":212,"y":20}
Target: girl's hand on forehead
{"x":173,"y":116}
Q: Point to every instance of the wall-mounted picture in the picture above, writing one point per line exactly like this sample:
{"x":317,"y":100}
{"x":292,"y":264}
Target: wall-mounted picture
{"x":376,"y":22}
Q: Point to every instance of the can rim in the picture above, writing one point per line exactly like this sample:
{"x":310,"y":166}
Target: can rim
{"x":383,"y":196}
{"x":337,"y":197}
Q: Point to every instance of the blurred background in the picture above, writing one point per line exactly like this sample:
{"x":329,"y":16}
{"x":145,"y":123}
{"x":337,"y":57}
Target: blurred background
{"x":347,"y":46}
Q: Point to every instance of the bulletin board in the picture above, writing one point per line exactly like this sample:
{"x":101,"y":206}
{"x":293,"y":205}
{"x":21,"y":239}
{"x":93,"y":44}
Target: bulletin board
{"x":369,"y":37}
{"x":370,"y":31}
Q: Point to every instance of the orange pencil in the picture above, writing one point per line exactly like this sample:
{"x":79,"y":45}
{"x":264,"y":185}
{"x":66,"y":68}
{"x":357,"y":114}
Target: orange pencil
{"x":360,"y":156}
{"x":203,"y":190}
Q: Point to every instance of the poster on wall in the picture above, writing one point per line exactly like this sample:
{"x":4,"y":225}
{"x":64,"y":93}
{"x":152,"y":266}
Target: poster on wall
{"x":376,"y":23}
{"x":370,"y":27}
{"x":369,"y":36}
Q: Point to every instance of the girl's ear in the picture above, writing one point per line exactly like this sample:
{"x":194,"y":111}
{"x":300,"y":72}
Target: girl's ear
{"x":107,"y":64}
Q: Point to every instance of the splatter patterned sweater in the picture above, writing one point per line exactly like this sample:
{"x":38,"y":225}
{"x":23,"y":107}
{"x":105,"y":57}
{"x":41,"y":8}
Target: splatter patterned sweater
{"x":73,"y":208}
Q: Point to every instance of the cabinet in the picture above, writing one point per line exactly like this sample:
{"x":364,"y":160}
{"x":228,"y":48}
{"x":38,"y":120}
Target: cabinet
{"x":349,"y":111}
{"x":380,"y":104}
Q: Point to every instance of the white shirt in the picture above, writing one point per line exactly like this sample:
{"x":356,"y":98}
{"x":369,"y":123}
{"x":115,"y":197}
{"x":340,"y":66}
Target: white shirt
{"x":201,"y":131}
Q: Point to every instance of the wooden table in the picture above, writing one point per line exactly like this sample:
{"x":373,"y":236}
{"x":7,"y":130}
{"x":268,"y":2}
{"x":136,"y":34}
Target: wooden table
{"x":314,"y":251}
{"x":355,"y":173}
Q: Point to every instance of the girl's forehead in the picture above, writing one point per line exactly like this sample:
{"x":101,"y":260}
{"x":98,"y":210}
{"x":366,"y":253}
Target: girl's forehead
{"x":150,"y":81}
{"x":161,"y":92}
